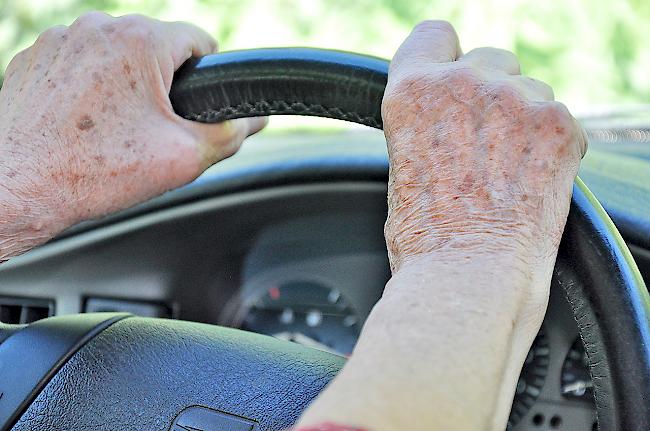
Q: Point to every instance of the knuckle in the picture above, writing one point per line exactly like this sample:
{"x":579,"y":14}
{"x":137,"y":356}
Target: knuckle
{"x":443,"y":30}
{"x":435,"y":25}
{"x":557,"y":116}
{"x":541,"y":85}
{"x":92,"y":19}
{"x":559,"y":129}
{"x":466,"y":76}
{"x":134,"y":20}
{"x":536,"y":81}
{"x":557,"y":111}
{"x":492,"y":51}
{"x":461,"y":82}
{"x":20,"y":56}
{"x":420,"y":88}
{"x":511,"y":58}
{"x":134,"y":29}
{"x":408,"y":86}
{"x":51,"y":34}
{"x":509,"y":54}
{"x":507,"y":92}
{"x":16,"y":62}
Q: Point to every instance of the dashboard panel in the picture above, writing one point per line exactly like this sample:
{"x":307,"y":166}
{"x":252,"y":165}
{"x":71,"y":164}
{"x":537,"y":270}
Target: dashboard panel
{"x":303,"y":263}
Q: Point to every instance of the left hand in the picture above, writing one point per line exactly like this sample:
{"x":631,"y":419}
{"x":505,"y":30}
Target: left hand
{"x":482,"y":158}
{"x":87,"y":128}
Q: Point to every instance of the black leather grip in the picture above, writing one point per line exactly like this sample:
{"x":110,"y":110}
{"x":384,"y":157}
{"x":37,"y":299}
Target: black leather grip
{"x":284,"y":81}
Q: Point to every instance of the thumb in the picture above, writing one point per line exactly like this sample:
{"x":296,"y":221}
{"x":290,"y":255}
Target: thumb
{"x":220,"y":141}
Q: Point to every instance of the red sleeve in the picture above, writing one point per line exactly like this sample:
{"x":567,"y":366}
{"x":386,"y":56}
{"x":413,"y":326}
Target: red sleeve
{"x":328,"y":426}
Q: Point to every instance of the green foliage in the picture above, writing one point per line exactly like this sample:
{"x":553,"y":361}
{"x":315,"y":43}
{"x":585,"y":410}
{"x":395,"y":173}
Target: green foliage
{"x":590,"y":51}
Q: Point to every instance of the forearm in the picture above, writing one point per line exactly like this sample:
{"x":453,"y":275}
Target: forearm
{"x":456,"y":322}
{"x":481,"y":170}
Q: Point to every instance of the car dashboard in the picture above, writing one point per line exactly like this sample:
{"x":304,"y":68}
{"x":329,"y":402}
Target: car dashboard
{"x":285,"y":242}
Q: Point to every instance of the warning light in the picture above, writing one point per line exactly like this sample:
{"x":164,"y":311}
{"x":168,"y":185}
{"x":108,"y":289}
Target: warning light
{"x":274,"y":293}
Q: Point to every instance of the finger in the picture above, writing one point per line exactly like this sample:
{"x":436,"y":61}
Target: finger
{"x":542,"y":89}
{"x":222,"y":140}
{"x":217,"y":141}
{"x":583,"y":142}
{"x":188,"y":40}
{"x":43,"y":48}
{"x":429,"y":42}
{"x":523,"y":87}
{"x":48,"y":44}
{"x":19,"y":63}
{"x":493,"y":58}
{"x":52,"y":35}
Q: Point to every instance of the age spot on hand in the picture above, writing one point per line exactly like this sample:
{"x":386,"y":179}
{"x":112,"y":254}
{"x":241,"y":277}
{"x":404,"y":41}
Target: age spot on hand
{"x":85,"y":123}
{"x":468,"y":184}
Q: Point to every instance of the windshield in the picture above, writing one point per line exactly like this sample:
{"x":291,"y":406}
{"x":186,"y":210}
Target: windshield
{"x":594,"y":53}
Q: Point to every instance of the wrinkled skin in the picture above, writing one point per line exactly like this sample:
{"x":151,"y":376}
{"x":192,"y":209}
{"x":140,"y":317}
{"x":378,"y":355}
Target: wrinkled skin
{"x":482,"y":162}
{"x":87,"y":127}
{"x":481,"y":167}
{"x":477,"y":151}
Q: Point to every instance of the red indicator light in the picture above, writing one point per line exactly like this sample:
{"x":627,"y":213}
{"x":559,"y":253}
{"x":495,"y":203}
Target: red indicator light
{"x":274,"y":293}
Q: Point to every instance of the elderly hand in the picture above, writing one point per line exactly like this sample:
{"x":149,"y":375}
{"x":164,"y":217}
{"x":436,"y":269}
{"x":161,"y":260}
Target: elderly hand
{"x":481,"y":156}
{"x":87,"y":127}
{"x":482,"y":162}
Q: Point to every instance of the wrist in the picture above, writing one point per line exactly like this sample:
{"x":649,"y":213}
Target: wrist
{"x":439,"y":312}
{"x":513,"y":279}
{"x":28,"y":217}
{"x":444,"y":270}
{"x":508,"y":249}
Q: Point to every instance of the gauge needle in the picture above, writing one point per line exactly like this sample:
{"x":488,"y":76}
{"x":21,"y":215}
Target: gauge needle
{"x":300,"y":338}
{"x":579,"y":387}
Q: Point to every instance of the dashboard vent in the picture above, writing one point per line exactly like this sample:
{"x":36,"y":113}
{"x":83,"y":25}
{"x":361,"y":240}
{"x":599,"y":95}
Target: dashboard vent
{"x":137,"y":307}
{"x":15,"y":310}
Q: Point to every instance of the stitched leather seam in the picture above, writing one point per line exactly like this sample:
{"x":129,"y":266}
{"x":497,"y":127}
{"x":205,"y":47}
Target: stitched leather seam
{"x":598,"y":367}
{"x":282,"y":107}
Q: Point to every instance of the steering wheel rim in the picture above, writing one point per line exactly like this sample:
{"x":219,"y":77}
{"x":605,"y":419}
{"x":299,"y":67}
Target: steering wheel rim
{"x":605,"y":289}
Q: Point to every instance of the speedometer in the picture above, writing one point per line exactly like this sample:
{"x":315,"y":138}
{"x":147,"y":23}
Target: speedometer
{"x":315,"y":315}
{"x":576,"y":381}
{"x":531,"y":379}
{"x":305,"y":312}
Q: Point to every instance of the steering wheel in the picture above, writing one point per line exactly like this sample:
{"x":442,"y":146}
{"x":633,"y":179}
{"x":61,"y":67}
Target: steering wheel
{"x":116,"y":371}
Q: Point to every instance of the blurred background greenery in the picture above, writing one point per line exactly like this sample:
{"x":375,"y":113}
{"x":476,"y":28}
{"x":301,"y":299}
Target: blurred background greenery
{"x":593,"y":52}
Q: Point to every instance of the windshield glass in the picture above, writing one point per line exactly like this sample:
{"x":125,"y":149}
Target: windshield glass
{"x":594,"y":53}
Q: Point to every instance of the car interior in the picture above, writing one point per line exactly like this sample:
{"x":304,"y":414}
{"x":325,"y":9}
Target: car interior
{"x":285,"y":239}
